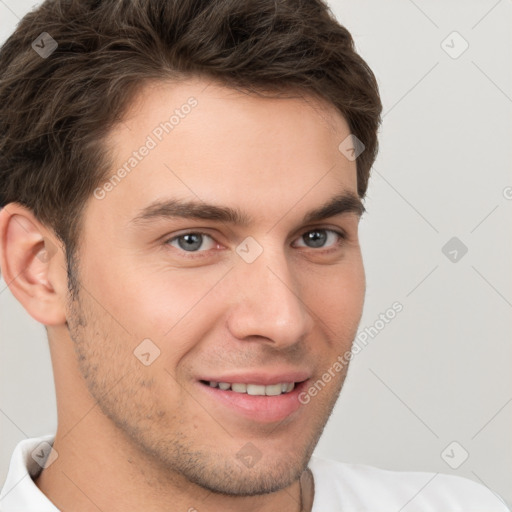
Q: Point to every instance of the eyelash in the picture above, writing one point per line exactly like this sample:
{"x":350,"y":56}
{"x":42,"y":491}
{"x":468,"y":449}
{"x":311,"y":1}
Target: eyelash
{"x":342,"y":237}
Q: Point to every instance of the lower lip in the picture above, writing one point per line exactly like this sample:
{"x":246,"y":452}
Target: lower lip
{"x":263,"y":409}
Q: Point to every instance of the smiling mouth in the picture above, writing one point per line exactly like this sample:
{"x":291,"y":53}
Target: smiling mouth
{"x":280,"y":388}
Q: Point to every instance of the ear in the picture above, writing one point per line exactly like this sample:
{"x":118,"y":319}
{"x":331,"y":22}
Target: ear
{"x":33,"y":264}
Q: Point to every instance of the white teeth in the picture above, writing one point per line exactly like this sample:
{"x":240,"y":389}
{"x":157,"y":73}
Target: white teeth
{"x":273,"y":390}
{"x":239,"y":388}
{"x":254,"y":389}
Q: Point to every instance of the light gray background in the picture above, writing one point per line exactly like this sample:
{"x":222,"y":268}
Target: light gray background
{"x":440,"y":371}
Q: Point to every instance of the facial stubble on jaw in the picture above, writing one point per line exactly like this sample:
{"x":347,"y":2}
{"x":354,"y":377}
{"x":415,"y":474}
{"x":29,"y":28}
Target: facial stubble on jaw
{"x":178,"y":457}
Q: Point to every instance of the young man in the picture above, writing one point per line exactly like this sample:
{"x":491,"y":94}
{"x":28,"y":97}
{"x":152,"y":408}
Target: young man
{"x":182,"y":183}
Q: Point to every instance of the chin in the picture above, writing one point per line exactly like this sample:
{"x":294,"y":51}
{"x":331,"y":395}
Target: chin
{"x":231,"y":477}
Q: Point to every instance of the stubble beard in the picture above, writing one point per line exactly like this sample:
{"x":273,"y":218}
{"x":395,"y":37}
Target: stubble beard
{"x":165,"y":461}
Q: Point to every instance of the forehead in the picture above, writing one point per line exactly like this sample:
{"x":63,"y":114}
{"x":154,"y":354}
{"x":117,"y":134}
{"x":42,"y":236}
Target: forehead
{"x":154,"y":96}
{"x":201,"y":140}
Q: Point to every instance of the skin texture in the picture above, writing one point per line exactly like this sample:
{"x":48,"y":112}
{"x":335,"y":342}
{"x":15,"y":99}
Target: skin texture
{"x":137,"y":437}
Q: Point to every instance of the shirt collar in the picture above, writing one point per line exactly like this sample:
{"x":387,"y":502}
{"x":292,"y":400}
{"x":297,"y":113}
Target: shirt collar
{"x":19,"y":492}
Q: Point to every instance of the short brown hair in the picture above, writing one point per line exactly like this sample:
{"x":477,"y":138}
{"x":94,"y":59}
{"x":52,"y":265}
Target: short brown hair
{"x":56,"y":111}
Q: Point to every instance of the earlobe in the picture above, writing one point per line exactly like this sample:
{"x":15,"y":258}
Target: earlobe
{"x":29,"y":259}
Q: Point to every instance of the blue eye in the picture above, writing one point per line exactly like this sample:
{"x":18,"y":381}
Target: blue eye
{"x":318,"y":238}
{"x":197,"y":242}
{"x":190,"y":242}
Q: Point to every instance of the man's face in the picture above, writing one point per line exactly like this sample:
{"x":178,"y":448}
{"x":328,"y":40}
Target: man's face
{"x":273,"y":309}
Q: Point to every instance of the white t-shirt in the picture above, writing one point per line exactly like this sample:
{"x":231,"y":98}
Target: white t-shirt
{"x":339,"y":487}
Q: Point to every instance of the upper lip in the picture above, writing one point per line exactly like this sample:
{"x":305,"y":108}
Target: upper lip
{"x":260,"y":377}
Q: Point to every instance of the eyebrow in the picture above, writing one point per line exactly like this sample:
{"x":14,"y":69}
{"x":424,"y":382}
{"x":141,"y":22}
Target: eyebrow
{"x":346,"y":202}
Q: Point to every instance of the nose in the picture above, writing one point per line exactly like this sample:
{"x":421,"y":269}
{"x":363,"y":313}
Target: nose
{"x":268,"y":303}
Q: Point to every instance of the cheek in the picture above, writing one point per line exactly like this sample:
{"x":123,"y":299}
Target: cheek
{"x":336,"y":295}
{"x":173,"y":298}
{"x":175,"y":309}
{"x":150,"y":299}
